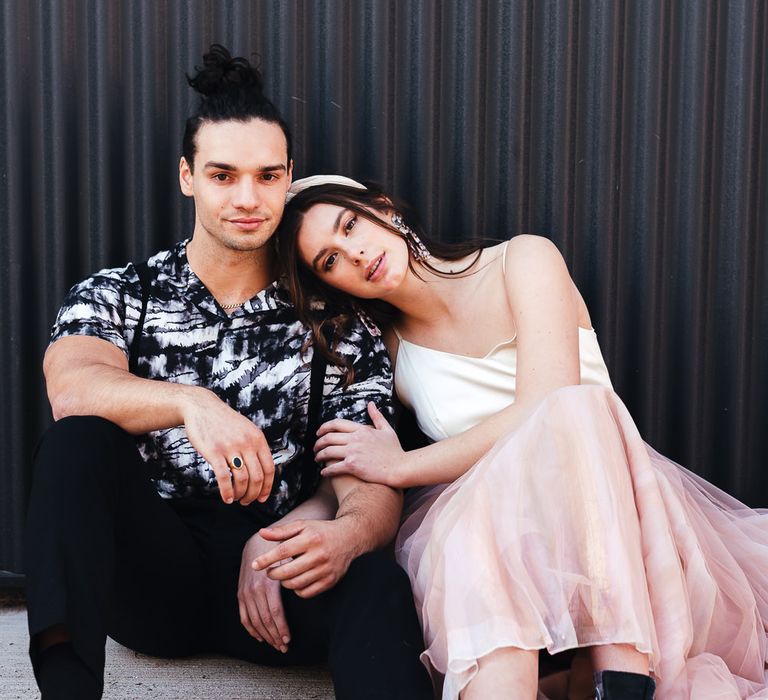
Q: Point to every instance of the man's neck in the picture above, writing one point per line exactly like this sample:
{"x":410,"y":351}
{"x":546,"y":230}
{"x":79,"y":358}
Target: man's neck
{"x":231,"y":276}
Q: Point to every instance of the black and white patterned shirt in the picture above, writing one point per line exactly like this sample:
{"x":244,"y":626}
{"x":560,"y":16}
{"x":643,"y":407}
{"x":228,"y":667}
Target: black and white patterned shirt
{"x":251,"y":359}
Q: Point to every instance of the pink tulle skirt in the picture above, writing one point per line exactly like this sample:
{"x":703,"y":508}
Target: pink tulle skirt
{"x":573,"y":532}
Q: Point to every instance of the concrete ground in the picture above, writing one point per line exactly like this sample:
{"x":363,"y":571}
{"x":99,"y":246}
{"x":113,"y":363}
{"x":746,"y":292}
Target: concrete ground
{"x":132,"y":676}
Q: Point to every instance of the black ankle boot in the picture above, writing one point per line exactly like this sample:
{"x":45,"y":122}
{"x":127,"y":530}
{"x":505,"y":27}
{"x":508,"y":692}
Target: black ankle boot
{"x":622,"y":685}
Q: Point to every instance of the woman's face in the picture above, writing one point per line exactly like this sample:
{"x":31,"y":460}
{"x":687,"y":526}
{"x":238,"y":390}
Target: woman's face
{"x":351,"y":253}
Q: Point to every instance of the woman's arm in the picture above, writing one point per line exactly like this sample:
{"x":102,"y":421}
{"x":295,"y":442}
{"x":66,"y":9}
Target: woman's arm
{"x":544,"y":306}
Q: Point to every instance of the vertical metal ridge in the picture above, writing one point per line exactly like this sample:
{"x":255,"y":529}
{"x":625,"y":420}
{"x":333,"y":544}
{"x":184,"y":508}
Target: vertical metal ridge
{"x":752,"y":406}
{"x":15,"y":171}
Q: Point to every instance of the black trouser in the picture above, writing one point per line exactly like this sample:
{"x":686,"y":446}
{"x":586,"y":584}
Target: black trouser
{"x":107,"y":556}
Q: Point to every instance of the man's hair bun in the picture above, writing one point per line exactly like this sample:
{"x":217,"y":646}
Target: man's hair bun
{"x":222,"y":73}
{"x":229,"y":89}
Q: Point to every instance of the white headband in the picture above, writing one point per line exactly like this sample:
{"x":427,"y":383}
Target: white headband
{"x":315,"y":180}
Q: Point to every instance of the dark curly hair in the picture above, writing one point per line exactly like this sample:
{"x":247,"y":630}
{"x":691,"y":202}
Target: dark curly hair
{"x":328,"y":311}
{"x":230,"y":89}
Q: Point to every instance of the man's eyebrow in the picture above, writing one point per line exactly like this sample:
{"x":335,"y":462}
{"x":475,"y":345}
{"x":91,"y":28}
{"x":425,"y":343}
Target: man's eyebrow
{"x":323,"y":251}
{"x":272,"y":168}
{"x":215,"y":165}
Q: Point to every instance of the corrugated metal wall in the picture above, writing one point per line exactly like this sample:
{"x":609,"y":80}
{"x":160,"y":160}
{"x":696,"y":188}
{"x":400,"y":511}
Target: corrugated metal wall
{"x":633,"y":133}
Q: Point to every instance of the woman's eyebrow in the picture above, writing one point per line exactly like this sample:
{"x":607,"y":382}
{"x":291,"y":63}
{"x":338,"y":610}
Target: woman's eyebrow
{"x":317,"y":257}
{"x":323,"y":251}
{"x":338,"y":219}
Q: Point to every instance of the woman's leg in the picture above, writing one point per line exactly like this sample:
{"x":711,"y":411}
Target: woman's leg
{"x":505,"y":673}
{"x":619,"y":657}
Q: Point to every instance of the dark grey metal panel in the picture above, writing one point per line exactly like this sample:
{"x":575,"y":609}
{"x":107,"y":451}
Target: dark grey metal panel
{"x":634,"y":134}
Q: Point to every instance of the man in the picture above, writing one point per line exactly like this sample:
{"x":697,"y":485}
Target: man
{"x":174,"y":506}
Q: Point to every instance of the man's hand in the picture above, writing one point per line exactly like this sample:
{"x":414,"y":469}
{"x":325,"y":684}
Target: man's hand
{"x":219,"y":434}
{"x":312,"y":555}
{"x":258,"y":596}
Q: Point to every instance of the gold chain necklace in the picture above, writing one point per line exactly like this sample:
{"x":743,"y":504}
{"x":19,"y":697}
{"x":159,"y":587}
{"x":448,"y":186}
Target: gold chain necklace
{"x":229,"y":307}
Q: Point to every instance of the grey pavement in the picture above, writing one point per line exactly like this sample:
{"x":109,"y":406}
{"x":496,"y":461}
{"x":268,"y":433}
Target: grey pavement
{"x":132,"y":676}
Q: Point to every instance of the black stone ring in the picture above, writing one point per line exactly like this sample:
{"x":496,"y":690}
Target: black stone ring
{"x":236,"y":463}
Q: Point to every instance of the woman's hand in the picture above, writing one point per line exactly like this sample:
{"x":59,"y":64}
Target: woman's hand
{"x":370,"y":453}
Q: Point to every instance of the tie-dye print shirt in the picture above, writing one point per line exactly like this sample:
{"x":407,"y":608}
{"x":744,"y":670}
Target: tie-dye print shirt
{"x":251,"y":359}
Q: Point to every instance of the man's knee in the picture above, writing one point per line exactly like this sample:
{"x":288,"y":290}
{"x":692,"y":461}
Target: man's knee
{"x":78,"y":447}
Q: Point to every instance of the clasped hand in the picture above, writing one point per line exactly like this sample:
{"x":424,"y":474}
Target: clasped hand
{"x":310,"y":557}
{"x":372,"y":454}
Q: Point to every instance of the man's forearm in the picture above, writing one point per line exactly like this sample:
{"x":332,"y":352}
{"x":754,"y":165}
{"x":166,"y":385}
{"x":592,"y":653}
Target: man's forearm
{"x":322,"y":505}
{"x":371,"y":512}
{"x":137,"y":405}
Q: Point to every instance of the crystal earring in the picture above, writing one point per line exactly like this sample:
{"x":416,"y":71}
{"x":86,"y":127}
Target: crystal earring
{"x":366,"y":320}
{"x":415,"y":246}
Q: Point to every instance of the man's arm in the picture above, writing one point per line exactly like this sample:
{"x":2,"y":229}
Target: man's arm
{"x":89,"y":376}
{"x":312,"y":556}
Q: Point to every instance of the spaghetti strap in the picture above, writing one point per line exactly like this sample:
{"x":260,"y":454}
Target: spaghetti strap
{"x":504,"y":259}
{"x":397,"y":333}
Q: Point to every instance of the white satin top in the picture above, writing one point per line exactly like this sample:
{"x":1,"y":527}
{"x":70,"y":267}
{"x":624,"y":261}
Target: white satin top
{"x":451,"y":393}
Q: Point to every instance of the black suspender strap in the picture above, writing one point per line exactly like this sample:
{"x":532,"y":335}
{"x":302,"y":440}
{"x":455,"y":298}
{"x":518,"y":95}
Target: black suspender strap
{"x":145,"y":278}
{"x":316,"y":384}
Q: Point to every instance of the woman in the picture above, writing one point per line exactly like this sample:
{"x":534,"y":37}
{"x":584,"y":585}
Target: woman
{"x":556,"y":526}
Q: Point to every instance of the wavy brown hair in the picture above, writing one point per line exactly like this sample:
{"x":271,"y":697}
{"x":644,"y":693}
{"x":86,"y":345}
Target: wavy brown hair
{"x":328,"y":311}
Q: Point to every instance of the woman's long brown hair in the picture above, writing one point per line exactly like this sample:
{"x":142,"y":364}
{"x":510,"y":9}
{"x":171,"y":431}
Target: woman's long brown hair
{"x":328,"y":311}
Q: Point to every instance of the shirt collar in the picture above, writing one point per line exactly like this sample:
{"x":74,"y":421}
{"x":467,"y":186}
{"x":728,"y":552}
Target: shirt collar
{"x":274,"y":296}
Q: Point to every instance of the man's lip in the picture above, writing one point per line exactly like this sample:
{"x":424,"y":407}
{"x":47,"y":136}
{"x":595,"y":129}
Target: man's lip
{"x":369,"y":270}
{"x":247,"y":223}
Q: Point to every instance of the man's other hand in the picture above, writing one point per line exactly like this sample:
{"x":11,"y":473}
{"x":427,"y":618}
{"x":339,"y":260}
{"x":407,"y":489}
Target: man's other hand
{"x":259,"y":600}
{"x":312,"y":555}
{"x":220,"y":434}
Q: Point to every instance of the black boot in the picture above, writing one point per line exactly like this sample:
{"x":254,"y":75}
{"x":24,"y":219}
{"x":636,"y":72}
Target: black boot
{"x":622,"y":685}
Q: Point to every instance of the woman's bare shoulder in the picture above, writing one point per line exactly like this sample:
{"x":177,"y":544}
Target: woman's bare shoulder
{"x":532,"y":254}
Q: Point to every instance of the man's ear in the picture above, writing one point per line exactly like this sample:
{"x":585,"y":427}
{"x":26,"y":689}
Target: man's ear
{"x":185,"y":178}
{"x":290,"y":172}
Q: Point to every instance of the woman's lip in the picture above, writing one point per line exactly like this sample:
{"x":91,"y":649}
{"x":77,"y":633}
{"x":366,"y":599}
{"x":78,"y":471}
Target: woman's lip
{"x":379,"y":271}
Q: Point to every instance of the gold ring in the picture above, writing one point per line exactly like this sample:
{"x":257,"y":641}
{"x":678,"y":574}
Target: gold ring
{"x":236,"y":463}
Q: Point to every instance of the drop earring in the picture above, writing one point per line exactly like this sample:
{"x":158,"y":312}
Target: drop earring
{"x":417,"y":249}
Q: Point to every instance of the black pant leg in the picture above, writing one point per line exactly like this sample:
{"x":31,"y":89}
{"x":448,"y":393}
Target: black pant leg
{"x":376,"y":638}
{"x":221,"y":532}
{"x":104,"y":553}
{"x":365,"y":627}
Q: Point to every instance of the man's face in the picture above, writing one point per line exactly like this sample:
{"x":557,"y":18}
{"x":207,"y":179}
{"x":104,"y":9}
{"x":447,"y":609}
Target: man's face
{"x":239,"y":182}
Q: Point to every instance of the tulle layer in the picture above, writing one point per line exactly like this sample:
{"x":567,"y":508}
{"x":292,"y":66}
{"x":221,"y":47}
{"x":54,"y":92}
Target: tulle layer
{"x":573,"y":532}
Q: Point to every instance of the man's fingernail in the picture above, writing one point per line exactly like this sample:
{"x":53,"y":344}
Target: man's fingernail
{"x":229,"y":500}
{"x":286,"y":640}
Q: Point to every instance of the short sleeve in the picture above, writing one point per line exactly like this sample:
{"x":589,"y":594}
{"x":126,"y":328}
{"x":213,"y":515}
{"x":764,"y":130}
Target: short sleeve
{"x":97,"y":307}
{"x":372,"y":380}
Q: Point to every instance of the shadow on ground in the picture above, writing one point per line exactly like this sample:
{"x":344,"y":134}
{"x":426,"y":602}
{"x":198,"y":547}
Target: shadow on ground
{"x":132,"y":676}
